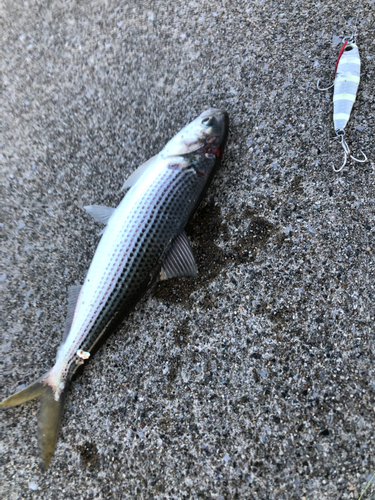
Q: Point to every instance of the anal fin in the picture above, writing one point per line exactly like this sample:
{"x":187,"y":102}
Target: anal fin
{"x":179,"y":260}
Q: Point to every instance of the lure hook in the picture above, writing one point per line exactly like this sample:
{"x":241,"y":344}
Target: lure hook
{"x":340,"y":135}
{"x":326,"y":88}
{"x":346,"y":151}
{"x":358,"y":160}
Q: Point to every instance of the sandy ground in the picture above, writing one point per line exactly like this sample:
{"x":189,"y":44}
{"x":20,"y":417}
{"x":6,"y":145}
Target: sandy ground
{"x":257,"y":379}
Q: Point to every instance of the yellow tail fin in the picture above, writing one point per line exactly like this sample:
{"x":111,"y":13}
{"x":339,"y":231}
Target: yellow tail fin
{"x":50,"y":414}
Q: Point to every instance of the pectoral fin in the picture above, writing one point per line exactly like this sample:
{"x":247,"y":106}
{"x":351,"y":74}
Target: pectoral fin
{"x":133,"y":178}
{"x":100,"y":213}
{"x":179,"y":260}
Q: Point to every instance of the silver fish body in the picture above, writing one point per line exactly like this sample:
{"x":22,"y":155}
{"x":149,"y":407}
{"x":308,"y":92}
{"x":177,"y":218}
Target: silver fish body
{"x":144,"y":240}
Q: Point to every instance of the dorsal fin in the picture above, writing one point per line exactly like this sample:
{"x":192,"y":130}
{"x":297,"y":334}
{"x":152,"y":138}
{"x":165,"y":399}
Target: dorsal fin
{"x":100,"y":213}
{"x":132,"y":179}
{"x":73,"y":294}
{"x":179,"y":259}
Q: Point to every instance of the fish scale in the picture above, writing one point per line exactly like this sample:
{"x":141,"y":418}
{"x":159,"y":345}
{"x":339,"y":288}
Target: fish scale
{"x":120,"y":282}
{"x":144,"y":240}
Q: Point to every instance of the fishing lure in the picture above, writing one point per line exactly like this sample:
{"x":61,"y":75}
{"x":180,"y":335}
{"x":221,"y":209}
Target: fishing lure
{"x":346,"y":82}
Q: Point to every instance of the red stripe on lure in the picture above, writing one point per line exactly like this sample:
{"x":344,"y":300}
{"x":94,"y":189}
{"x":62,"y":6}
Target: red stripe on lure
{"x":341,"y":52}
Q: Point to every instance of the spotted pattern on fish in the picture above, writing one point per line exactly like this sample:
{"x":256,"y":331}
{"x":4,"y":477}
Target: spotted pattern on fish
{"x":144,"y":240}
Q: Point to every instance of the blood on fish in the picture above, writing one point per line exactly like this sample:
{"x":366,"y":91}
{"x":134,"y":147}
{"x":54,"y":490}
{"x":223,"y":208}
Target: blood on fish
{"x":216,"y":150}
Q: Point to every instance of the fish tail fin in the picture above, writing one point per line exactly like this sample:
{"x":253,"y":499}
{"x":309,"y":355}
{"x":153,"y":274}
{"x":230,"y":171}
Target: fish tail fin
{"x":49,"y":421}
{"x":50,"y":413}
{"x":32,"y":391}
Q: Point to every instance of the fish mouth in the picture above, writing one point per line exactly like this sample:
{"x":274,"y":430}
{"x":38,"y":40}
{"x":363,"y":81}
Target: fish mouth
{"x":216,"y":121}
{"x":207,"y":133}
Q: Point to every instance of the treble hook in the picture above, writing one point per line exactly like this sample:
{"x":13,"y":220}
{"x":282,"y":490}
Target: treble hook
{"x":346,"y":152}
{"x":358,"y":160}
{"x":317,"y":85}
{"x":341,"y":133}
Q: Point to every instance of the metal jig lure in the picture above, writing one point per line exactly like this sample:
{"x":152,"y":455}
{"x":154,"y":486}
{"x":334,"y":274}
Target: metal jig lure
{"x":346,"y":81}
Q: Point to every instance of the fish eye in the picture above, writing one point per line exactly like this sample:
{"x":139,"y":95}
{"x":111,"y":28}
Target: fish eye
{"x":208,"y":121}
{"x":348,"y":48}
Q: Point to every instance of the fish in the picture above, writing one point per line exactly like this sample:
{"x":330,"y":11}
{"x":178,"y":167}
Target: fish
{"x":346,"y":82}
{"x":143,"y":241}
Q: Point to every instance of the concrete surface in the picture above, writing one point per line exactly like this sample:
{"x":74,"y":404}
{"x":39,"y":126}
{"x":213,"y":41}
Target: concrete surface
{"x":256,"y":380}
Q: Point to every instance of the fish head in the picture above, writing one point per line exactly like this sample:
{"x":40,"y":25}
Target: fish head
{"x":207,"y":133}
